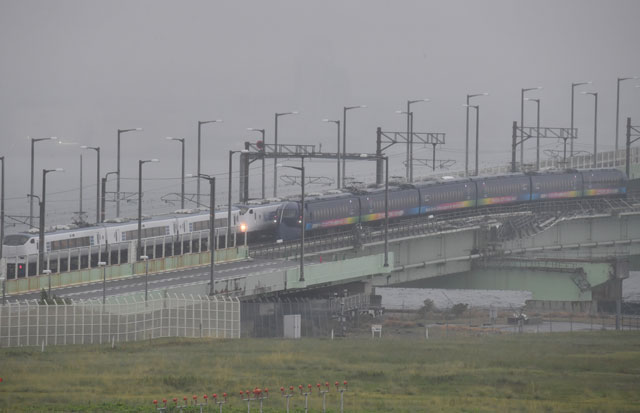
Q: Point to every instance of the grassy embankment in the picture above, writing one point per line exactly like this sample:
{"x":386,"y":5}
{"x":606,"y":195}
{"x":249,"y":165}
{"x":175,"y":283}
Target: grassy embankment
{"x":597,"y":371}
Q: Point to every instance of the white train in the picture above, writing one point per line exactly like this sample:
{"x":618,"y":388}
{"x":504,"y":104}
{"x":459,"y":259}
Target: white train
{"x":72,"y":248}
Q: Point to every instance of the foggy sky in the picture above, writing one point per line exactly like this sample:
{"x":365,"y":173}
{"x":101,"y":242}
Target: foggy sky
{"x":80,"y":70}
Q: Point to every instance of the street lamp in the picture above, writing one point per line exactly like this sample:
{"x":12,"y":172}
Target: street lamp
{"x":620,"y":79}
{"x":212,"y":222}
{"x":33,"y":142}
{"x":275,"y":159}
{"x":595,"y":127}
{"x":226,"y":241}
{"x":573,"y":87}
{"x":120,"y":132}
{"x":262,"y":131}
{"x":302,"y":220}
{"x":140,"y":163}
{"x":146,"y":276}
{"x":344,"y":138}
{"x":181,"y":140}
{"x":97,"y":149}
{"x":104,"y":280}
{"x":41,"y":245}
{"x":410,"y":138}
{"x":337,"y":122}
{"x":522,"y":92}
{"x":200,"y":123}
{"x":537,"y":131}
{"x":466,"y":152}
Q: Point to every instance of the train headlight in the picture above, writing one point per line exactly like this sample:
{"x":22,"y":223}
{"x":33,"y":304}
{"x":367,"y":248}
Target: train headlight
{"x":243,"y":227}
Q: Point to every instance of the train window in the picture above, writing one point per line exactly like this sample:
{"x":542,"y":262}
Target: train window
{"x":16,"y":239}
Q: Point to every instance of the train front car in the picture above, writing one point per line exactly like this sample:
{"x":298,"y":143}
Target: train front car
{"x":604,"y":182}
{"x":16,"y":249}
{"x":502,"y":190}
{"x":556,"y":185}
{"x":446,"y":195}
{"x":259,"y":219}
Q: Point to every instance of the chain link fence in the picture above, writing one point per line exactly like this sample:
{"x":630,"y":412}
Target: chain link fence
{"x":119,"y":319}
{"x":264,"y":318}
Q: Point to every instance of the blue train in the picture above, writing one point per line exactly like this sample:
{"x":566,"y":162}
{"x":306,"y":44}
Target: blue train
{"x":339,"y":211}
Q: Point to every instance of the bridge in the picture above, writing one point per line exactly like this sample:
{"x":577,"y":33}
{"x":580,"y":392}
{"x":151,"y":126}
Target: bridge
{"x":569,"y":254}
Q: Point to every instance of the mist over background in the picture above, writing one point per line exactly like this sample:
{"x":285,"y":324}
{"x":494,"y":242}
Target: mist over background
{"x":79,"y":70}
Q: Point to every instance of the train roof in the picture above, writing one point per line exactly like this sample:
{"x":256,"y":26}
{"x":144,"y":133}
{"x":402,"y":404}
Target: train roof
{"x":440,"y":181}
{"x":62,"y":229}
{"x":381,"y":189}
{"x":502,"y":176}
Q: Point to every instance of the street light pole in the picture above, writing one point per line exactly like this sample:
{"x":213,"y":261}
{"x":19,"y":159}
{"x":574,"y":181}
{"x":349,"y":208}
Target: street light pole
{"x":97,"y":149}
{"x":145,"y":258}
{"x":181,"y":140}
{"x":337,"y":122}
{"x":140,"y":163}
{"x":344,"y":138}
{"x":410,"y":138}
{"x":537,"y":101}
{"x":386,"y":211}
{"x":275,"y":159}
{"x":477,"y":136}
{"x":226,"y":241}
{"x":620,"y":79}
{"x":3,"y":270}
{"x":466,"y":151}
{"x":104,"y":280}
{"x":120,"y":132}
{"x":200,"y":123}
{"x":386,"y":203}
{"x":41,"y":244}
{"x":522,"y":92}
{"x":33,"y":142}
{"x":103,"y":208}
{"x":2,"y":210}
{"x":212,"y":222}
{"x":573,"y":87}
{"x":477,"y":108}
{"x":302,"y":220}
{"x":262,"y":131}
{"x":595,"y":127}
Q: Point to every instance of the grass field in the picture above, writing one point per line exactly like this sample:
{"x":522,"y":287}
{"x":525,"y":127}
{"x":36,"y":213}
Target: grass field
{"x":598,"y":371}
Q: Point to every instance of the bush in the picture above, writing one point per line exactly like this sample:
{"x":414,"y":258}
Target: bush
{"x":459,"y":309}
{"x":428,"y":306}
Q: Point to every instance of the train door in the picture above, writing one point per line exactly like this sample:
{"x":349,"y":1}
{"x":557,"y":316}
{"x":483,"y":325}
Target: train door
{"x":354,"y":208}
